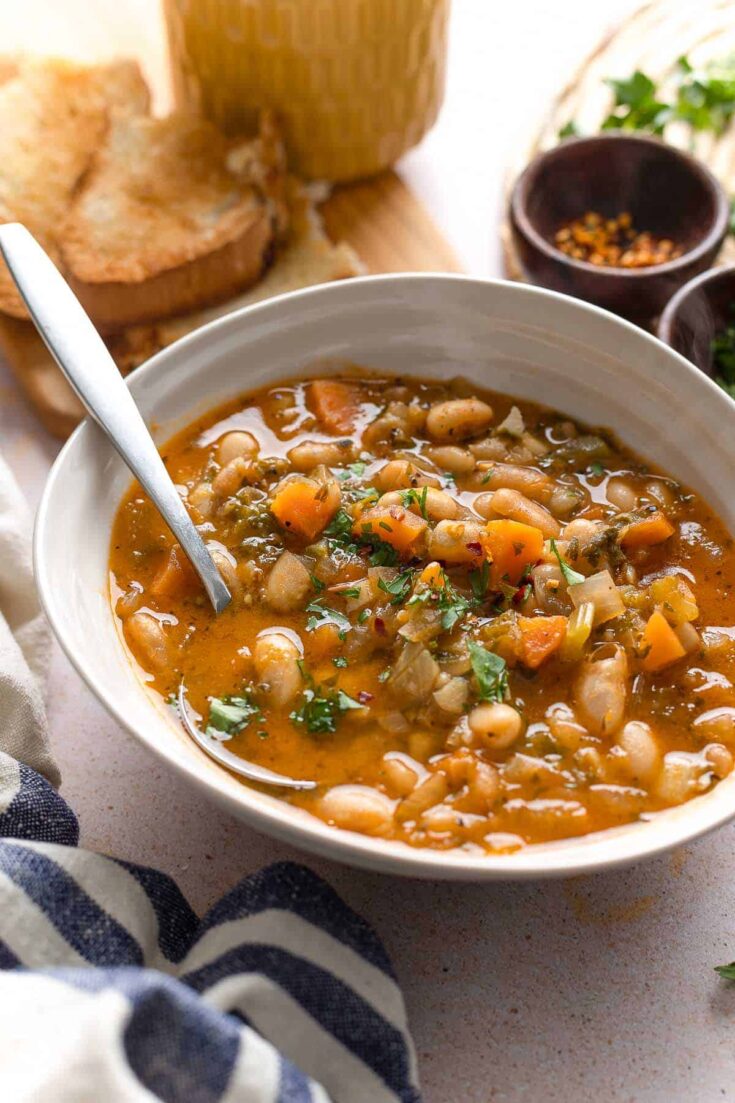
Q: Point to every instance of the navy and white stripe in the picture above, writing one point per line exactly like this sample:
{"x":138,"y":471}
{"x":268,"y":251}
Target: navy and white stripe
{"x":111,"y":988}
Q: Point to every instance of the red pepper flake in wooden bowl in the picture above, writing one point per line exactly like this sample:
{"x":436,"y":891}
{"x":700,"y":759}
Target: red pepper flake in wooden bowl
{"x":613,"y":242}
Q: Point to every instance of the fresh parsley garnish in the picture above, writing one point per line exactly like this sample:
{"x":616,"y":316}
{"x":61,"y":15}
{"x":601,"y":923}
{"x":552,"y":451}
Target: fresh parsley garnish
{"x":229,"y":715}
{"x":479,"y":580}
{"x":398,"y":587}
{"x":723,"y":358}
{"x":452,"y":604}
{"x":572,"y":577}
{"x":322,"y":614}
{"x":321,"y":710}
{"x":726,"y":971}
{"x":317,"y":583}
{"x":417,"y":497}
{"x":704,"y":99}
{"x":353,"y":470}
{"x":596,"y":469}
{"x":363,"y":615}
{"x":339,"y":532}
{"x":491,"y":673}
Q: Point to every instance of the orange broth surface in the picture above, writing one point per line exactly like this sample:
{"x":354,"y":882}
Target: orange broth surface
{"x":472,"y":621}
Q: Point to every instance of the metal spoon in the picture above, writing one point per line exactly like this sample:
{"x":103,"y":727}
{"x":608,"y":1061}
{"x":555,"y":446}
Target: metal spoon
{"x":242,"y":766}
{"x":84,"y":360}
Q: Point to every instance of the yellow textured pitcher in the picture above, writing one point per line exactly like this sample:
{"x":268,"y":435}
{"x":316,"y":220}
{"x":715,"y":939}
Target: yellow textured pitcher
{"x":355,"y":83}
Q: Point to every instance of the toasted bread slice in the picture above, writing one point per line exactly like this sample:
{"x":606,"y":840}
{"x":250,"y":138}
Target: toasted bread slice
{"x":307,"y":257}
{"x":162,"y":225}
{"x":53,"y":115}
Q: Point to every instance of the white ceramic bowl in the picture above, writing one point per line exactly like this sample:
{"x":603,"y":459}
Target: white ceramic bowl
{"x":525,"y":341}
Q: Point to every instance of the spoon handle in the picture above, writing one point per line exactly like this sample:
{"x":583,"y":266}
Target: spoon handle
{"x":86,"y":363}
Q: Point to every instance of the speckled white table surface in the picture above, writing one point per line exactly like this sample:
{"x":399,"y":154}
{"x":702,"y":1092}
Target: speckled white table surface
{"x":599,"y":987}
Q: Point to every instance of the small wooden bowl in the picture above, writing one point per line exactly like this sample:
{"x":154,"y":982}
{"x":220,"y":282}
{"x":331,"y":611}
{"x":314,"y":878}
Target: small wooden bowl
{"x":666,"y":191}
{"x":697,"y":313}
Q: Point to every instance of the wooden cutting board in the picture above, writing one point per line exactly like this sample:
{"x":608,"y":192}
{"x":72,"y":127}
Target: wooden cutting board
{"x":380,"y":218}
{"x":651,"y":39}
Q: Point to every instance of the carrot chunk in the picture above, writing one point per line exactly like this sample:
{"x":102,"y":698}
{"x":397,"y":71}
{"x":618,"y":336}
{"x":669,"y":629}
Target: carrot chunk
{"x":335,"y":403}
{"x":393,"y":525}
{"x":661,"y":645}
{"x":304,"y":506}
{"x":511,"y":547}
{"x":540,"y":638}
{"x":175,"y":577}
{"x":653,"y":529}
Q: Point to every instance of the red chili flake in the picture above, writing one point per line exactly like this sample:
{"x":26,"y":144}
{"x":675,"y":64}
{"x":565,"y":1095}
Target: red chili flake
{"x":475,"y":547}
{"x":380,"y":626}
{"x":521,"y":594}
{"x":364,"y":697}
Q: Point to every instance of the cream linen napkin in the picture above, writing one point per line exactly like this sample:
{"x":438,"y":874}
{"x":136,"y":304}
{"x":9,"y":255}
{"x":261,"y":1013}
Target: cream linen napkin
{"x":24,"y":638}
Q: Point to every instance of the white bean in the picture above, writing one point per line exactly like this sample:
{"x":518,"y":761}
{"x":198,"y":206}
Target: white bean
{"x":600,"y":693}
{"x":402,"y":474}
{"x":229,"y":480}
{"x":495,"y":726}
{"x":449,"y":457}
{"x":357,"y":808}
{"x":276,"y":664}
{"x":288,"y":583}
{"x":455,"y":541}
{"x":311,"y":453}
{"x":642,"y":754}
{"x":458,"y":419}
{"x":235,"y":444}
{"x":147,"y":640}
{"x":437,"y":505}
{"x":516,"y":506}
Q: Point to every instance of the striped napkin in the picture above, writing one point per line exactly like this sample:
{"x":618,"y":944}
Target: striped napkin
{"x":111,"y":988}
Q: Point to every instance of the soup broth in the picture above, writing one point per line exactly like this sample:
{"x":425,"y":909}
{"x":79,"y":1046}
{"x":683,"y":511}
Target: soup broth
{"x":472,"y":621}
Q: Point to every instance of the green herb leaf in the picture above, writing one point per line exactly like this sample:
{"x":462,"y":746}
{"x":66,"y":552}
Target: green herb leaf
{"x":452,"y":604}
{"x":398,"y":587}
{"x":479,"y":580}
{"x":317,"y":583}
{"x":596,"y":469}
{"x":726,"y":971}
{"x":409,"y":497}
{"x":363,"y":615}
{"x":383,"y":554}
{"x":339,"y":532}
{"x":352,"y":471}
{"x":322,"y":614}
{"x":573,"y":578}
{"x":569,"y":130}
{"x":229,"y":715}
{"x":491,"y":673}
{"x":320,"y":711}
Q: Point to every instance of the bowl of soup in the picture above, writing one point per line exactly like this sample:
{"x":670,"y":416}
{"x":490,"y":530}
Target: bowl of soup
{"x":478,"y":541}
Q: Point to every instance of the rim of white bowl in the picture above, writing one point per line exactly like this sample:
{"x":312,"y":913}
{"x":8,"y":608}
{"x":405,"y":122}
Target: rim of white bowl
{"x":560,"y":858}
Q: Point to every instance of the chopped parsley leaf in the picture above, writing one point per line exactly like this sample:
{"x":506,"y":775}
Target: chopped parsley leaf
{"x":572,"y":577}
{"x":363,"y":615}
{"x":353,"y":471}
{"x":317,"y":583}
{"x":452,"y":604}
{"x":479,"y":580}
{"x":320,"y":712}
{"x":229,"y":715}
{"x":398,"y":587}
{"x":726,"y":971}
{"x":491,"y":673}
{"x":416,"y":497}
{"x":322,"y":614}
{"x":596,"y":469}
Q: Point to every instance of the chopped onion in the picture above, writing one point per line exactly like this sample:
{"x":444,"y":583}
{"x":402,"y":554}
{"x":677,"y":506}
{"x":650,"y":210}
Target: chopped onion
{"x":602,"y":592}
{"x":579,"y":627}
{"x":452,"y":697}
{"x":513,"y":425}
{"x":688,"y":637}
{"x":414,"y":674}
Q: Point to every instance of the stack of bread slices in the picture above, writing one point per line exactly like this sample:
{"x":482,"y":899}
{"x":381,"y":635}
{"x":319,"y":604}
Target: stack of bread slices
{"x":158,"y":224}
